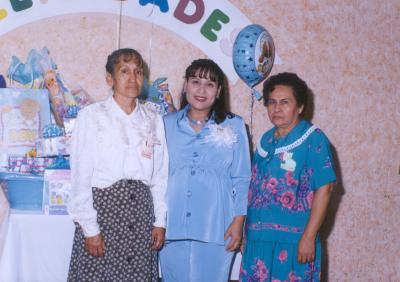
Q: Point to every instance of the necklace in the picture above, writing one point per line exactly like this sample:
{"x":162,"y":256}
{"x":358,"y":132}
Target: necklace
{"x":197,"y":122}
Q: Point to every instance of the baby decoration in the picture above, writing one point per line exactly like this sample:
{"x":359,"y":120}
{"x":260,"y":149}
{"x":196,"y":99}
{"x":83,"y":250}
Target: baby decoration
{"x":40,"y":72}
{"x":158,"y":94}
{"x":23,"y":115}
{"x":253,"y":55}
{"x":203,"y":23}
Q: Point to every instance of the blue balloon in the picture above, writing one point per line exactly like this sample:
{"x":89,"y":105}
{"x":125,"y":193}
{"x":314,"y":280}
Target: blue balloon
{"x":253,"y":54}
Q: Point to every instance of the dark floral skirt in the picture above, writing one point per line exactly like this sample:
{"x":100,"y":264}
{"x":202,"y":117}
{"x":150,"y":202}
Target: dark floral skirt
{"x":125,"y":215}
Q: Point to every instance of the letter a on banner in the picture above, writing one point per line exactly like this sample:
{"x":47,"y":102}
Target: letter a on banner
{"x":162,"y":4}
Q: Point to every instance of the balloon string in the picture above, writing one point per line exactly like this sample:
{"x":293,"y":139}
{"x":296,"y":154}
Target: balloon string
{"x":119,"y":26}
{"x":152,"y":14}
{"x":251,"y":116}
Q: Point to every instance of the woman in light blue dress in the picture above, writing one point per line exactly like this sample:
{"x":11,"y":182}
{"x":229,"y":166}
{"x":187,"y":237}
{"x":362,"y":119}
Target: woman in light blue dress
{"x":209,"y":175}
{"x":292,"y":178}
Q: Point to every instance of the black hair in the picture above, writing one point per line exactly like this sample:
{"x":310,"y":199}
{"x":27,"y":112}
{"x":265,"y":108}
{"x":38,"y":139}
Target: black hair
{"x":206,"y":68}
{"x":125,"y":54}
{"x":299,"y":87}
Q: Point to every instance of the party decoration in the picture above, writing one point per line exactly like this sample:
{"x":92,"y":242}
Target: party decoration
{"x":40,"y":71}
{"x":23,"y":114}
{"x":2,"y":82}
{"x":52,"y":130}
{"x":158,"y":94}
{"x":72,"y":112}
{"x":253,"y":55}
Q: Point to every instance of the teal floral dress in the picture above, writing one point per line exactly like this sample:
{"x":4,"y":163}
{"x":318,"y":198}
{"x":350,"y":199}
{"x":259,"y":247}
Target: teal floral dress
{"x":285,"y":174}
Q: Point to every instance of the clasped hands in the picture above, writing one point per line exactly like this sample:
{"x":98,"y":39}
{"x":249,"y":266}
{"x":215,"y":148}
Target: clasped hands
{"x":95,"y":245}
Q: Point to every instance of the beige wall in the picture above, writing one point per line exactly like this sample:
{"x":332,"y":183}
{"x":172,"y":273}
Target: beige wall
{"x":348,"y":52}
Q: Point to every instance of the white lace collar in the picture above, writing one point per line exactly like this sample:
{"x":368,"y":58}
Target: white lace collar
{"x":298,"y":142}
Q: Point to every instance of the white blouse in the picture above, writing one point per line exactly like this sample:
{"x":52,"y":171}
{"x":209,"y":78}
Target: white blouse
{"x":109,"y":145}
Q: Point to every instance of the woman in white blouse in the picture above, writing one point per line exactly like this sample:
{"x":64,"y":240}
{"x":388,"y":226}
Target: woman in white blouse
{"x":119,"y":166}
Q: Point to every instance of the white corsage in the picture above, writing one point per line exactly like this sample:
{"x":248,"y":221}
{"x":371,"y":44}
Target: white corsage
{"x":221,"y":136}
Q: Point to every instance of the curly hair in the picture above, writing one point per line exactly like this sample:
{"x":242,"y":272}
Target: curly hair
{"x":301,"y":91}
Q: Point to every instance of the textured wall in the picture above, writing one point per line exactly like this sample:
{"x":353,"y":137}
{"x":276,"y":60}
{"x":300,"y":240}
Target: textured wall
{"x":348,"y":52}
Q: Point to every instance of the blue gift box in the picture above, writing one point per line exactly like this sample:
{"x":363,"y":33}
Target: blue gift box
{"x":23,"y":191}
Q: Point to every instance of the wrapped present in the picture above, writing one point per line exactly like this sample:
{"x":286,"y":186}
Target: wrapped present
{"x":55,"y":146}
{"x":57,"y":187}
{"x":59,"y":162}
{"x":40,"y":71}
{"x":23,"y":114}
{"x":52,"y":130}
{"x":29,"y":165}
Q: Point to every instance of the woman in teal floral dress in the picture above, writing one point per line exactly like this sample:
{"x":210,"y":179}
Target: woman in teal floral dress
{"x":292,"y":179}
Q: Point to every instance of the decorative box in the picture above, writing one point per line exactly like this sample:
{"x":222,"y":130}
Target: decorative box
{"x":57,"y":191}
{"x":46,"y":147}
{"x":23,"y":191}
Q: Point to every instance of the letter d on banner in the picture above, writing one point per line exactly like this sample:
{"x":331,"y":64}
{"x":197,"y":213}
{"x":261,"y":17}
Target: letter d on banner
{"x":189,"y":19}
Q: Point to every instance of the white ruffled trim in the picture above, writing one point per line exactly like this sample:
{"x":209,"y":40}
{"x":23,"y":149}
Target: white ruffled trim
{"x":290,"y":147}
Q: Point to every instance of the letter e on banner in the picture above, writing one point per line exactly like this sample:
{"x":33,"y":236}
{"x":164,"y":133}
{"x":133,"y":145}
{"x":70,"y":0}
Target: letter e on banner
{"x":213,"y":24}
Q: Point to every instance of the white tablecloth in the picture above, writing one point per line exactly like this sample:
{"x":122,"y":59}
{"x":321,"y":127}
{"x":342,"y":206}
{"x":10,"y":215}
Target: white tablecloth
{"x":38,"y":248}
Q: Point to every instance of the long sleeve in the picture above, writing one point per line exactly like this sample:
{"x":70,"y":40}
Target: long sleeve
{"x":160,"y":175}
{"x":82,"y":165}
{"x":241,"y":171}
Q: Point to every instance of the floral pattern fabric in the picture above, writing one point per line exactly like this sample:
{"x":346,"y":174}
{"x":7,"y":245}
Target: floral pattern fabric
{"x":277,"y":262}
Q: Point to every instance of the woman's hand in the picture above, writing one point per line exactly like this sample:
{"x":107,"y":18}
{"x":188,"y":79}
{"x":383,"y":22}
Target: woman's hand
{"x":235,"y":232}
{"x":95,"y":245}
{"x":157,"y":238}
{"x":306,"y":249}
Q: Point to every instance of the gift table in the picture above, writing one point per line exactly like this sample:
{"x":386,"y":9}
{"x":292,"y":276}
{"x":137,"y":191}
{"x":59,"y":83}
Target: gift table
{"x":37,"y":248}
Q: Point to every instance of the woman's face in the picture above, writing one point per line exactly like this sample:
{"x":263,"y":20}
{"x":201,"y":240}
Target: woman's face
{"x":127,"y":79}
{"x":201,"y":93}
{"x":282,"y":107}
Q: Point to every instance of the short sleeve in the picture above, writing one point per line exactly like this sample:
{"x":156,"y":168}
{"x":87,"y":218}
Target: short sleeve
{"x":320,"y":160}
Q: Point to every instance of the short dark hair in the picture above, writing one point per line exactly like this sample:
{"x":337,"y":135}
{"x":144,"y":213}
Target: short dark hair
{"x":301,"y":91}
{"x":206,"y":68}
{"x":125,"y":54}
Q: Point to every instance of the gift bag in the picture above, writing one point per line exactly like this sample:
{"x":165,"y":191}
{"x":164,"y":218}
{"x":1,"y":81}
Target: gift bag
{"x":23,"y":114}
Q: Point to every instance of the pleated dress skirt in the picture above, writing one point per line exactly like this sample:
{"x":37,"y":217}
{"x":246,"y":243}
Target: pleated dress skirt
{"x":125,"y":215}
